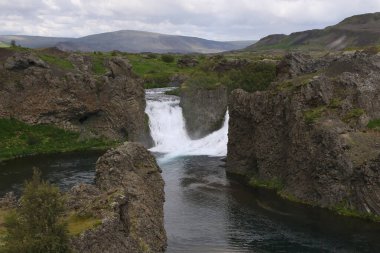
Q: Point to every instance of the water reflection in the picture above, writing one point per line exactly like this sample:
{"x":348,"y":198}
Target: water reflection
{"x":208,"y":212}
{"x":64,"y":170}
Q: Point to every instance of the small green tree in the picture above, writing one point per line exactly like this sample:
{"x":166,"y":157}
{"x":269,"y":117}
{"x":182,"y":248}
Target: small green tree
{"x":36,"y":226}
{"x":13,"y":43}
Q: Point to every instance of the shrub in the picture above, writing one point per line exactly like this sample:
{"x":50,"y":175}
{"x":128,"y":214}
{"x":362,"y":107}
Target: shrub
{"x":374,"y":124}
{"x":202,"y":80}
{"x":36,"y":226}
{"x":354,"y":114}
{"x":167,"y":58}
{"x":253,"y":77}
{"x":312,"y":115}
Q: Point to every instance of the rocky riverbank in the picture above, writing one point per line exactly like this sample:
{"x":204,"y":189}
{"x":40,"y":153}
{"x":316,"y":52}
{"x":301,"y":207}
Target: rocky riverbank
{"x":313,"y":136}
{"x":91,"y":94}
{"x":128,"y":198}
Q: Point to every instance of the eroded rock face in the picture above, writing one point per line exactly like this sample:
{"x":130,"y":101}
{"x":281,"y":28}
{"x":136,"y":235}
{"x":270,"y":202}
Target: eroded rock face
{"x":308,"y":134}
{"x":204,"y":110}
{"x":128,"y":197}
{"x":74,"y":97}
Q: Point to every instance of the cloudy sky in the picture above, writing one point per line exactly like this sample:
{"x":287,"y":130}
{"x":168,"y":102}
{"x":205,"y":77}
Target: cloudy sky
{"x":211,"y":19}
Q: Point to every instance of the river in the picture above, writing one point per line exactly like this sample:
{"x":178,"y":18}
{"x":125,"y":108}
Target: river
{"x":205,"y":211}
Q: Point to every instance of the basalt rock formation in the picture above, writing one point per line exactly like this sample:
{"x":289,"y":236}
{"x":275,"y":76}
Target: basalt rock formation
{"x":314,"y":135}
{"x":69,"y":91}
{"x":203,"y":110}
{"x":128,"y":197}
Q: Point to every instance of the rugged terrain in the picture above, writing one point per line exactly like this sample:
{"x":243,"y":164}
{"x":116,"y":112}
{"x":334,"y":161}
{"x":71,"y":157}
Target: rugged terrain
{"x":89,"y":94}
{"x":314,"y":134}
{"x":357,"y":31}
{"x":128,"y":197}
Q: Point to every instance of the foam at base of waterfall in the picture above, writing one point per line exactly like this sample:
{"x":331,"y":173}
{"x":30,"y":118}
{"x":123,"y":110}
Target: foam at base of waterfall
{"x":169,"y":133}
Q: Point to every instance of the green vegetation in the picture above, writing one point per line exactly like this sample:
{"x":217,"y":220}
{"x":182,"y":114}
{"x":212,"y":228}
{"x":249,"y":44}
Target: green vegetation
{"x":20,"y":139}
{"x":155,"y":72}
{"x":374,"y":124}
{"x":312,"y":115}
{"x":36,"y":226}
{"x":167,"y":58}
{"x":98,"y":66}
{"x":354,"y":114}
{"x":202,"y":80}
{"x":344,"y":209}
{"x":272,"y":184}
{"x":256,"y":76}
{"x":78,"y":224}
{"x":57,"y":61}
{"x":335,"y":103}
{"x":2,"y":44}
{"x":174,"y":92}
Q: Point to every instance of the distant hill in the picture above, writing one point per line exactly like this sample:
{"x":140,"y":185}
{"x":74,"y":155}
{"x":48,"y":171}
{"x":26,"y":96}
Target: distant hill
{"x":32,"y":41}
{"x":138,"y":41}
{"x":130,"y":41}
{"x":356,"y":31}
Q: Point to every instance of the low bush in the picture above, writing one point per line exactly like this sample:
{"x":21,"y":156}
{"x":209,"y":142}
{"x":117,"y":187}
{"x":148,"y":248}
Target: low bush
{"x":167,"y":58}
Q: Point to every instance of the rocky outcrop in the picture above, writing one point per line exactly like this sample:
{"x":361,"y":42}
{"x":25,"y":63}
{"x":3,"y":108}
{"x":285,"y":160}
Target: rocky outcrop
{"x":128,"y":197}
{"x":308,"y":137}
{"x":66,"y":91}
{"x":203,"y":110}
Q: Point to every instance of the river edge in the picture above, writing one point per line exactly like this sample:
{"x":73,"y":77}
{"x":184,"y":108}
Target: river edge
{"x":272,"y":187}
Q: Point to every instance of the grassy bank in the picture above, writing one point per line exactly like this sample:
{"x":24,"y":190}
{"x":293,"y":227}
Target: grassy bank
{"x":19,"y":139}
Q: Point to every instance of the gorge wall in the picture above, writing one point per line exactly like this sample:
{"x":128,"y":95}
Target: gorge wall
{"x":128,"y":198}
{"x":94,"y":96}
{"x":313,"y":136}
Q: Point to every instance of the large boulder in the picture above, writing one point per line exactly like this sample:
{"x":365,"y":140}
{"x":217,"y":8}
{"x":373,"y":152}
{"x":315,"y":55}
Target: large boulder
{"x":128,"y":197}
{"x":21,"y":61}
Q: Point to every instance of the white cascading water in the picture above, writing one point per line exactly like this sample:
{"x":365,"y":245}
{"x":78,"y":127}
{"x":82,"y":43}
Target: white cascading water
{"x":168,"y":130}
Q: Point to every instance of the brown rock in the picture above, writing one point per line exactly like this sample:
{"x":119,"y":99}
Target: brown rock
{"x":129,"y":198}
{"x":308,"y":134}
{"x":75,"y":99}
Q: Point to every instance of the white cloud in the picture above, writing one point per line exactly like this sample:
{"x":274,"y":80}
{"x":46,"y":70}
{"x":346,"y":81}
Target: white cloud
{"x":213,"y":19}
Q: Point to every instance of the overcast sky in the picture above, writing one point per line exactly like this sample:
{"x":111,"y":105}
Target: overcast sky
{"x":211,"y":19}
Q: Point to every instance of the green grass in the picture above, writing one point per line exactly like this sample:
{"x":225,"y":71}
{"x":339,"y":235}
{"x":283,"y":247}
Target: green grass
{"x":311,"y":116}
{"x":156,"y":72}
{"x":354,"y":114}
{"x":20,"y":139}
{"x":345,"y":210}
{"x":174,"y":92}
{"x":273,"y":184}
{"x":57,"y":61}
{"x":78,"y":224}
{"x":2,"y":44}
{"x":374,"y":124}
{"x":98,"y":66}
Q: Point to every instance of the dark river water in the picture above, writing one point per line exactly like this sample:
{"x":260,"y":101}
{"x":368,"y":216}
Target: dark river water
{"x":207,"y":212}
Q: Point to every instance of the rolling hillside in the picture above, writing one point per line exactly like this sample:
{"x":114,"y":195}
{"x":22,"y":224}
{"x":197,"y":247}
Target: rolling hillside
{"x":130,"y":41}
{"x":356,"y":31}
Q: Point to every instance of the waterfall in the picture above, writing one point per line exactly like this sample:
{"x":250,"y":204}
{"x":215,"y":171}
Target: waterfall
{"x":168,"y":129}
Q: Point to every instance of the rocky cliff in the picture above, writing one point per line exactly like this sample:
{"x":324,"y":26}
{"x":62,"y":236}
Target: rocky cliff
{"x":314,"y":135}
{"x":97,"y":96}
{"x":128,"y":198}
{"x":203,"y":110}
